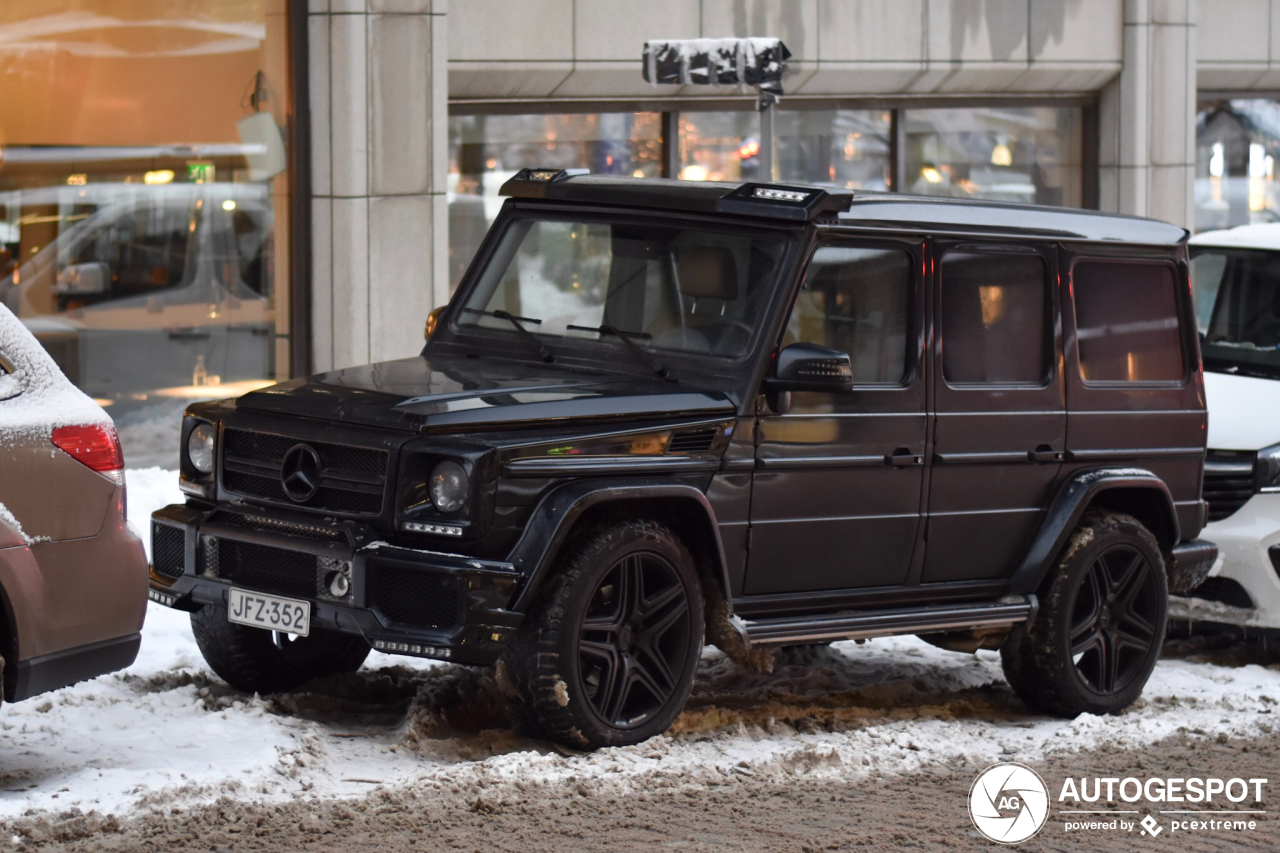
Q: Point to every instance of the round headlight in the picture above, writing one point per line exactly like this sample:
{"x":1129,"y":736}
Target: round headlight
{"x":200,"y":448}
{"x":448,"y":487}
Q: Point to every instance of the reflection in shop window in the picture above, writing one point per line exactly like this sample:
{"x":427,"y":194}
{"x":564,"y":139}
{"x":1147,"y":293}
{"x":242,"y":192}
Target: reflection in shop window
{"x":142,"y":177}
{"x":1237,"y":143}
{"x":848,"y":149}
{"x":720,"y":146}
{"x":486,"y":150}
{"x":1031,"y":155}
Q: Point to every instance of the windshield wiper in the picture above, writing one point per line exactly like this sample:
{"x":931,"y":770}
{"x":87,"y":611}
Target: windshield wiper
{"x":518,"y":324}
{"x":634,"y":348}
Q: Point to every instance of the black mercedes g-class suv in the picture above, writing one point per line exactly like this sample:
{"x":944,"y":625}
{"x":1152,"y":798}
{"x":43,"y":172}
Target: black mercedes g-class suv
{"x":657,"y":412}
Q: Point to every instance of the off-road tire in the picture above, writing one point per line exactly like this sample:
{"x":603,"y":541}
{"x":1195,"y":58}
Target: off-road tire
{"x":1114,"y":620}
{"x":251,"y":659}
{"x":556,"y":663}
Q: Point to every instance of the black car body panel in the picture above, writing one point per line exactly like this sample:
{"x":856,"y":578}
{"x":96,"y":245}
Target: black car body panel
{"x":898,"y":492}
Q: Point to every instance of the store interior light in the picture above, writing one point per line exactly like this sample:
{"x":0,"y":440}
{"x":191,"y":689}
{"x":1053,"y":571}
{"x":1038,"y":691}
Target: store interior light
{"x":228,"y":205}
{"x":931,"y":175}
{"x":159,"y":176}
{"x":1001,"y":155}
{"x":694,"y":172}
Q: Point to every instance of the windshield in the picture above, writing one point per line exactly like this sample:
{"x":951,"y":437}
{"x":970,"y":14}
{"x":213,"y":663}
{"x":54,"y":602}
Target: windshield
{"x":662,"y":288}
{"x":1237,"y":296}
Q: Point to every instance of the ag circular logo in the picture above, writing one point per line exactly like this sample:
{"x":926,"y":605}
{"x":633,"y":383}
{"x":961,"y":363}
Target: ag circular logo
{"x":1008,"y":803}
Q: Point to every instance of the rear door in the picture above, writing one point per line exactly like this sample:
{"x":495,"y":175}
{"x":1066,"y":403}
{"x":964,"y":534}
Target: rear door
{"x":836,"y":494}
{"x":1000,"y":410}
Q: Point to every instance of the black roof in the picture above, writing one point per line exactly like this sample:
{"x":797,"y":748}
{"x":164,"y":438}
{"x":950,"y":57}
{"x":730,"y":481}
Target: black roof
{"x":872,"y":209}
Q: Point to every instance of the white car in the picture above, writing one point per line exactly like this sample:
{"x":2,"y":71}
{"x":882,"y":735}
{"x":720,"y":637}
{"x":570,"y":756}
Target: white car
{"x":1235,"y":277}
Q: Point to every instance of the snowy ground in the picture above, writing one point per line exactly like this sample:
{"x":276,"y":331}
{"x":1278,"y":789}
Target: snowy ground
{"x":166,"y":732}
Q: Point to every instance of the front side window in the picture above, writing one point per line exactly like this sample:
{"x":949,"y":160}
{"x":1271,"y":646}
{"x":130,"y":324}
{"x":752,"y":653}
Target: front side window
{"x":699,"y":292}
{"x":995,"y":318}
{"x":1127,"y":322}
{"x":857,"y":300}
{"x":1237,"y":296}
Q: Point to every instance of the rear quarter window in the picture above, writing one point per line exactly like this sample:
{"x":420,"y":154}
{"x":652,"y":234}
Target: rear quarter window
{"x":1127,"y":325}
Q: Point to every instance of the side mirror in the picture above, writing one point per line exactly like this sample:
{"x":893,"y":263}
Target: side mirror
{"x":433,"y":320}
{"x":807,"y":367}
{"x":82,"y":280}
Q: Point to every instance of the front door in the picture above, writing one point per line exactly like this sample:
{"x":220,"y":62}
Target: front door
{"x":836,"y":494}
{"x":1001,"y":423}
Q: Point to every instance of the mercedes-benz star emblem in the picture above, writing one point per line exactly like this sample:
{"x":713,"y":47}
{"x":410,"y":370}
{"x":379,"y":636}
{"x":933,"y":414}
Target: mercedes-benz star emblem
{"x":300,"y":473}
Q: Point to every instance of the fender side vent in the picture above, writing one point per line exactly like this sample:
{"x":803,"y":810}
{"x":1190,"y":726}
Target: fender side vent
{"x":696,"y":440}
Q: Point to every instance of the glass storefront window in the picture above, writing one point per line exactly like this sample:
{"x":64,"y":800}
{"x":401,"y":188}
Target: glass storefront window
{"x":143,"y":188}
{"x":848,"y":149}
{"x":720,"y":146}
{"x":486,"y":150}
{"x":1237,"y":143}
{"x":1031,"y":155}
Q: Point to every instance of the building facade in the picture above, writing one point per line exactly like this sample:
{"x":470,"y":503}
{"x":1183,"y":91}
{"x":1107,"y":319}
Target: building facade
{"x":223,"y":193}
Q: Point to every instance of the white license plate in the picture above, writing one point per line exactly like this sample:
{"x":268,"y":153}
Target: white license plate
{"x":272,"y":612}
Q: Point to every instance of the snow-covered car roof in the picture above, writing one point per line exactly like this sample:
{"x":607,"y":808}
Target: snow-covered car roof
{"x":1263,"y":235}
{"x":35,"y":396}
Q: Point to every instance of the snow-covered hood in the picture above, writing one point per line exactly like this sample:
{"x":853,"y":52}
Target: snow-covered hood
{"x":1244,"y":411}
{"x":37,"y":396}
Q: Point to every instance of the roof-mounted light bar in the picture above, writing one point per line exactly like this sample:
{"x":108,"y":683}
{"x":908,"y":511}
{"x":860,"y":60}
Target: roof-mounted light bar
{"x":774,"y":194}
{"x":532,"y":183}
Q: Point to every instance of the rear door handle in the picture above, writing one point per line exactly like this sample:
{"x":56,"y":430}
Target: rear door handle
{"x":1044,"y":453}
{"x":902,"y":458}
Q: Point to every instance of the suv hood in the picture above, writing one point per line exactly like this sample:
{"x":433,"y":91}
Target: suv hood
{"x":1244,"y":411}
{"x":417,"y":393}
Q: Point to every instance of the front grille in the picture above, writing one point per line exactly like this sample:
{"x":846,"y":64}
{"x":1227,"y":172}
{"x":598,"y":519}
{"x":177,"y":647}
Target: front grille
{"x":352,"y":479}
{"x":262,"y":567}
{"x":261,"y":524}
{"x":1228,"y":482}
{"x":415,"y":597}
{"x":696,"y":440}
{"x":168,"y":550}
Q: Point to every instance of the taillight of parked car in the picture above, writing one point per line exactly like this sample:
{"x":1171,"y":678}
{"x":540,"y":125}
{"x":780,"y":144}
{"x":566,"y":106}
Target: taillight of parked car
{"x":96,"y":447}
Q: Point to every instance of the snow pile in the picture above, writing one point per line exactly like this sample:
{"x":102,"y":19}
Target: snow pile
{"x":8,"y":518}
{"x":167,"y":733}
{"x":38,"y":396}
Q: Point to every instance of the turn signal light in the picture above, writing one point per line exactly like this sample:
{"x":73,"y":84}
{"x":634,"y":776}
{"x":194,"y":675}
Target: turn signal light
{"x":96,"y":447}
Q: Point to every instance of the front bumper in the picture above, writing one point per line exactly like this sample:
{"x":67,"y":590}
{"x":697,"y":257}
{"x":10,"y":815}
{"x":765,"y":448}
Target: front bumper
{"x":401,"y":600}
{"x":1245,"y":540}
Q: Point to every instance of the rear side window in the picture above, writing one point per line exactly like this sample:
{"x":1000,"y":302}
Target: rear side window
{"x":1127,"y":322}
{"x":995,"y":318}
{"x":856,"y":300}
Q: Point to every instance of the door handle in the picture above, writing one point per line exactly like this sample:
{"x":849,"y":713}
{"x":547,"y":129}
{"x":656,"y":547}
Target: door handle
{"x":902,"y":458}
{"x":1044,"y":453}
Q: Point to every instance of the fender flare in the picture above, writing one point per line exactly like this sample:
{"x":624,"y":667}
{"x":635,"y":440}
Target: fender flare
{"x":1073,"y":498}
{"x":556,"y":513}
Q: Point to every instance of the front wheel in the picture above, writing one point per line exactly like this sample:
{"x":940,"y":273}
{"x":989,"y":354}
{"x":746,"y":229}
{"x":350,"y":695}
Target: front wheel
{"x":1096,"y":638}
{"x":608,"y":655}
{"x":259,"y":661}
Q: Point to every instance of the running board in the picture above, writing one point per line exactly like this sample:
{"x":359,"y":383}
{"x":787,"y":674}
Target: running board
{"x":794,"y":630}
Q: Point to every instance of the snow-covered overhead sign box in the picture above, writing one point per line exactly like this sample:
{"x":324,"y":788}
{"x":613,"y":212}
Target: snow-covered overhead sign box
{"x":758,"y":62}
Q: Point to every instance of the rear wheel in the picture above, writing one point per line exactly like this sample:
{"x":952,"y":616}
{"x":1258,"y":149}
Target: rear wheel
{"x":1096,"y":638}
{"x":608,"y":655}
{"x":259,"y":661}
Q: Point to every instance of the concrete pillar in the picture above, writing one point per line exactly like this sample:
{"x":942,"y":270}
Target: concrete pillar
{"x":1147,"y":115}
{"x":379,"y":125}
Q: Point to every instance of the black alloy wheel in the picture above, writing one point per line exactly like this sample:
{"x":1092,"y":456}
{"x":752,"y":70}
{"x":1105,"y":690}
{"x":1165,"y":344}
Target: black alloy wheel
{"x":607,"y":655}
{"x":1114,"y":619}
{"x":1098,"y":632}
{"x":634,"y":640}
